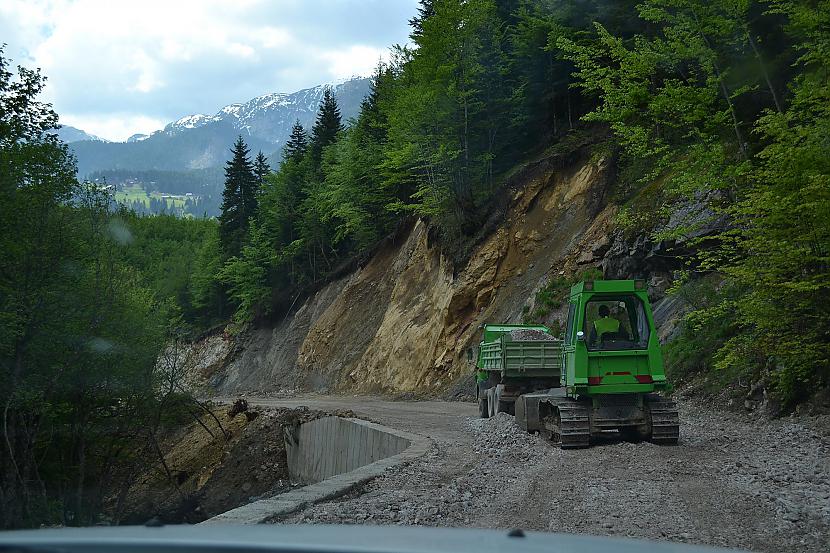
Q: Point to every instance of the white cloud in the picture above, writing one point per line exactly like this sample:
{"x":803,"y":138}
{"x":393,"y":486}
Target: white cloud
{"x":356,"y":60}
{"x":146,"y":73}
{"x":157,"y":60}
{"x":240,"y":50}
{"x":272,"y":37}
{"x":114,"y":126}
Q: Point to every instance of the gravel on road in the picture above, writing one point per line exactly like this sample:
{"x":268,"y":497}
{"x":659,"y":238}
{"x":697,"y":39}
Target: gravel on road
{"x":733,"y":481}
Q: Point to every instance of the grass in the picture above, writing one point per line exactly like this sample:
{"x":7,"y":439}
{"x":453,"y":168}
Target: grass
{"x":553,"y":295}
{"x":130,"y":194}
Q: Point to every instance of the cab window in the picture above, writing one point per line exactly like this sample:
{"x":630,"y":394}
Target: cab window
{"x":570,"y":326}
{"x":616,"y":323}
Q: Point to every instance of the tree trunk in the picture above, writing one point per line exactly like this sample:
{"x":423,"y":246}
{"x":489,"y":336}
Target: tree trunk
{"x":724,"y":90}
{"x":763,"y":69}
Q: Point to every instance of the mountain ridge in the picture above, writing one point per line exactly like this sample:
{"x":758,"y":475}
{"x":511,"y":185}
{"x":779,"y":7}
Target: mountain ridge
{"x":198,"y":141}
{"x":70,"y":134}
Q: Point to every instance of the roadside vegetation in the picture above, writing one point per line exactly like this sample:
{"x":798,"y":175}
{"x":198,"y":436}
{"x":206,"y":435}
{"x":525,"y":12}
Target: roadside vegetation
{"x":89,"y":297}
{"x":724,"y":103}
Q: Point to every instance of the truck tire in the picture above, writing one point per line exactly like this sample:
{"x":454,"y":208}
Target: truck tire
{"x":500,"y":406}
{"x":481,"y":396}
{"x":491,"y":402}
{"x":482,"y":407}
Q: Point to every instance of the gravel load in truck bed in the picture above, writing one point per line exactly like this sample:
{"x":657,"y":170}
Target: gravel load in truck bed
{"x":530,"y":335}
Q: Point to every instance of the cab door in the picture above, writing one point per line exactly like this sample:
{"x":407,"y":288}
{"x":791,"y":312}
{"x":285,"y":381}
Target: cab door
{"x":569,"y":348}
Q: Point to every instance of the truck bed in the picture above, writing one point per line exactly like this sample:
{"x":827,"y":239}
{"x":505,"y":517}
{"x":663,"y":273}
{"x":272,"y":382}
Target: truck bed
{"x":523,"y":358}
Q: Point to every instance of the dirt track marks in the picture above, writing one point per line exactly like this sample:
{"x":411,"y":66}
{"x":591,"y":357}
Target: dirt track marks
{"x":733,"y":481}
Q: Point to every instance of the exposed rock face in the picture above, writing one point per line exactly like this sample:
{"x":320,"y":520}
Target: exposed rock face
{"x":641,"y":257}
{"x":402,"y":322}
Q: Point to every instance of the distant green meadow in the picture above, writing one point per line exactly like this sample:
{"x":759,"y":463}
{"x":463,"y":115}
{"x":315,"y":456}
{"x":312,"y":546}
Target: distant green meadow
{"x":130,"y":194}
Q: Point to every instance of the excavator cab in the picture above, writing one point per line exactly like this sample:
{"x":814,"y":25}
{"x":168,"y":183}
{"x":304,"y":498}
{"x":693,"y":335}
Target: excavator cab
{"x":611,"y":369}
{"x":611,"y":345}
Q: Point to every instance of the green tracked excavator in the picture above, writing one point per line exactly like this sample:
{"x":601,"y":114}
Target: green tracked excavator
{"x":603,"y":377}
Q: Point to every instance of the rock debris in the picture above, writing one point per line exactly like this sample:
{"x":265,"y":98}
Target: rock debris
{"x":732,"y":482}
{"x":530,"y":335}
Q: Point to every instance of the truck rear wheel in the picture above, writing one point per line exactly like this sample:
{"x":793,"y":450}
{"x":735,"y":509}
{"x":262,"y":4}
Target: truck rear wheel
{"x":482,"y":394}
{"x":500,"y":406}
{"x":483,"y":411}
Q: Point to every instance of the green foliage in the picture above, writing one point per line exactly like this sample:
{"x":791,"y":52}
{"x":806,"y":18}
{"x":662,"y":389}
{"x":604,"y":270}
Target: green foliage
{"x":203,"y":287}
{"x":246,"y":276}
{"x":261,"y":169}
{"x":553,"y":295}
{"x":448,"y":120}
{"x":297,"y":144}
{"x":548,"y":298}
{"x":667,"y":97}
{"x":81,"y":329}
{"x":780,"y":249}
{"x":326,"y":129}
{"x":239,"y":199}
{"x":177,"y":259}
{"x":694,"y":105}
{"x":704,"y":331}
{"x":650,"y":207}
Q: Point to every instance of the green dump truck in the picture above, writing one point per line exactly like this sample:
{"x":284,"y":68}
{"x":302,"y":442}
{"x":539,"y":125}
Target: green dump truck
{"x":602,"y":377}
{"x":514,"y":360}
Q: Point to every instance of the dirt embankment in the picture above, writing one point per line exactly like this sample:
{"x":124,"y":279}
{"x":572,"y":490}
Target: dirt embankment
{"x":217,"y":464}
{"x":401,"y":322}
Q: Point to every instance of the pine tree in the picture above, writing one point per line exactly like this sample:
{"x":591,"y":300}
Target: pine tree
{"x":261,"y":168}
{"x":297,"y":143}
{"x":328,"y":125}
{"x":238,"y":199}
{"x":373,"y":120}
{"x":425,"y":11}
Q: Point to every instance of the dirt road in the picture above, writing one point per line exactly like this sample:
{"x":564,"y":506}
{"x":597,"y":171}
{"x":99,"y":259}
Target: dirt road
{"x":732,"y":481}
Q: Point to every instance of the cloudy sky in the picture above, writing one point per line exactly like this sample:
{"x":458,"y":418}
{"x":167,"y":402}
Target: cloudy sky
{"x":119,"y":67}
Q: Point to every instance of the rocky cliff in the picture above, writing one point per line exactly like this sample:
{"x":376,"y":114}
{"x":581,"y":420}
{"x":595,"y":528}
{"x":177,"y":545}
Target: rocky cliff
{"x":402,"y":322}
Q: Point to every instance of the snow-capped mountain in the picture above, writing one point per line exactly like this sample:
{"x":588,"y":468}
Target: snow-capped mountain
{"x":199,"y":140}
{"x":69,"y":134}
{"x":269,"y":116}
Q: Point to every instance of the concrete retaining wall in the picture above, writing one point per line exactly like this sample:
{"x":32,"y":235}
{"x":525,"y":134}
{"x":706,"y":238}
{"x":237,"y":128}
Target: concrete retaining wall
{"x":360,"y":450}
{"x":332,"y":445}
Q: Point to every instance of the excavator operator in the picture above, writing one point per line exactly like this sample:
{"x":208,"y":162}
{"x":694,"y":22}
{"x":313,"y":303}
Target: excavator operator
{"x":604,"y":325}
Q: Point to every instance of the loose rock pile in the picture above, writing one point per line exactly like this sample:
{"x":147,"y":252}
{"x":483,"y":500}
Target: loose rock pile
{"x":499,"y":438}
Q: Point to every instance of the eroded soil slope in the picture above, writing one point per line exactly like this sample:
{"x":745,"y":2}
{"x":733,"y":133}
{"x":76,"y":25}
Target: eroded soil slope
{"x":402,"y":322}
{"x":215,"y":465}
